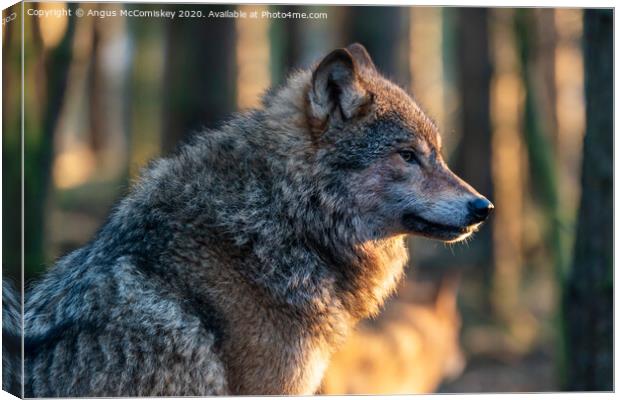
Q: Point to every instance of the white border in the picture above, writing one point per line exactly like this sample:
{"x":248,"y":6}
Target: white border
{"x":480,"y":3}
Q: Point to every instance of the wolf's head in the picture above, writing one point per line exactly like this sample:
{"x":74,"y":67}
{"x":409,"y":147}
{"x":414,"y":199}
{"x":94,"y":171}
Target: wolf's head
{"x":377,"y":143}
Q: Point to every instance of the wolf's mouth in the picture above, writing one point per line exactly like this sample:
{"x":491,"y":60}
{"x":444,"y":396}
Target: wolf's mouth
{"x":434,"y":230}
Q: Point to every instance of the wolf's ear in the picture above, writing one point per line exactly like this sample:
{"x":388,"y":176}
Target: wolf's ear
{"x":336,"y":93}
{"x":361,"y":56}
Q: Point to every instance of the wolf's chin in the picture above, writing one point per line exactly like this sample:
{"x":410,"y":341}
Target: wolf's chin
{"x":417,"y":225}
{"x":461,"y":237}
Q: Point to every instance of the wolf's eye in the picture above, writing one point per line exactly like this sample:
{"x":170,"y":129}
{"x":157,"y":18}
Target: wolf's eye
{"x":409,"y":156}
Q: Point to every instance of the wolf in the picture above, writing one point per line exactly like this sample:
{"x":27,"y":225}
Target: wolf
{"x":238,"y":264}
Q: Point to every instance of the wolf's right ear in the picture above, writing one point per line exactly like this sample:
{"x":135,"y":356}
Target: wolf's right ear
{"x":336,"y":94}
{"x":361,"y":56}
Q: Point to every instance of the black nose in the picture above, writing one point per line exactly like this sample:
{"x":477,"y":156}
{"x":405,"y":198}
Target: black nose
{"x":480,"y":209}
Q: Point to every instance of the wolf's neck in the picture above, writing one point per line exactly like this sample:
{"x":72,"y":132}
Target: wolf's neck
{"x":365,"y":273}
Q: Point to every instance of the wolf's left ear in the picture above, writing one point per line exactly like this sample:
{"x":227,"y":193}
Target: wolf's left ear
{"x":336,"y":93}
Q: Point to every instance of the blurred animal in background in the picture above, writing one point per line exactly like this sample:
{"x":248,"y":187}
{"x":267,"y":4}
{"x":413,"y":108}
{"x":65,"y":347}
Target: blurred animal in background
{"x":410,"y":348}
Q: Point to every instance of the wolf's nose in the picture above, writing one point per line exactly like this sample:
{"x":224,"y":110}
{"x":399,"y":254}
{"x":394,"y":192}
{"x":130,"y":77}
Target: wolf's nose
{"x":480,"y":208}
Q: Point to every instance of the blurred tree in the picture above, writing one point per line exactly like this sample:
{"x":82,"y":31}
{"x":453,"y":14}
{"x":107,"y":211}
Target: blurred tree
{"x":538,"y":141}
{"x":508,"y":182}
{"x":286,"y":45}
{"x":546,"y":44}
{"x":96,"y":83}
{"x":569,"y":105}
{"x":252,"y":56}
{"x":200,"y":74}
{"x":39,"y":135}
{"x":298,"y":43}
{"x":385,"y":33}
{"x":543,"y":168}
{"x":589,"y":293}
{"x":473,"y":154}
{"x":146,"y":92}
{"x":11,"y":148}
{"x":429,"y":83}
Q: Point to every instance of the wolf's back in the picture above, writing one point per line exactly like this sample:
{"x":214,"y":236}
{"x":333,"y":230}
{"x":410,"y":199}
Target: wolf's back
{"x":11,"y":343}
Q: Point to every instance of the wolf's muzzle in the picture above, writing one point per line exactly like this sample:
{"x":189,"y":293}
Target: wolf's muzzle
{"x":480,"y":209}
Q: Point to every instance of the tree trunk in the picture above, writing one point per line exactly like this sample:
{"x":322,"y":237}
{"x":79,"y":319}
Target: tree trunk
{"x":473,"y":155}
{"x":39,"y":142}
{"x":297,"y":43}
{"x":11,"y":148}
{"x":200,"y":75}
{"x":543,"y":168}
{"x":384,"y":31}
{"x":96,"y":82}
{"x":589,"y":295}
